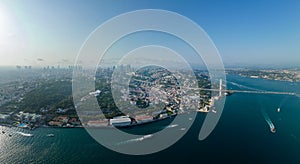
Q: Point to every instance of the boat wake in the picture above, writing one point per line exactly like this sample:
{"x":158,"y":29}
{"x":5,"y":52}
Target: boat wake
{"x":50,"y":135}
{"x":25,"y":134}
{"x":136,"y":139}
{"x":243,"y":86}
{"x":172,"y":126}
{"x":268,"y":120}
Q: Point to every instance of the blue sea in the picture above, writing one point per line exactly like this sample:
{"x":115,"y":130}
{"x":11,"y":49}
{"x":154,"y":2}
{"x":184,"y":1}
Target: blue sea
{"x":241,"y":136}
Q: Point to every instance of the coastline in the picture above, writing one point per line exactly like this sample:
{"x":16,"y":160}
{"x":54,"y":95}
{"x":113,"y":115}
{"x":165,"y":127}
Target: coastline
{"x":101,"y":127}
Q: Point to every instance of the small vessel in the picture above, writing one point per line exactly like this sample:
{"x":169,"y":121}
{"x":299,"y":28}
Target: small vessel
{"x":214,"y":111}
{"x":9,"y":135}
{"x":278,"y":110}
{"x":273,"y":130}
{"x":50,"y":135}
{"x":3,"y":132}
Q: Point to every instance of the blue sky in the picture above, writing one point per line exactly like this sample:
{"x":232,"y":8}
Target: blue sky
{"x":248,"y":32}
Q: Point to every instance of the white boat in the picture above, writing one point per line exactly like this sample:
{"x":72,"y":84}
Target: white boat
{"x":273,"y":130}
{"x":278,"y":110}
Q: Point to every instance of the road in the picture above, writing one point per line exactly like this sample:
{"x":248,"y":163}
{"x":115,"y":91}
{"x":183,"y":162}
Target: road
{"x":248,"y":91}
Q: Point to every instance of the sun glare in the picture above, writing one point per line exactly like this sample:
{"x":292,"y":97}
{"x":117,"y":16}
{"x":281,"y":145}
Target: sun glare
{"x":4,"y":19}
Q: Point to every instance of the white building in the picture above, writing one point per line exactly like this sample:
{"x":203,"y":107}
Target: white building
{"x":120,"y":121}
{"x":29,"y":117}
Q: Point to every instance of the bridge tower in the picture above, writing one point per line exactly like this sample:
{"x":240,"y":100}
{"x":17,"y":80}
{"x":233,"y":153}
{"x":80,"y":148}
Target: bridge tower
{"x":220,"y":89}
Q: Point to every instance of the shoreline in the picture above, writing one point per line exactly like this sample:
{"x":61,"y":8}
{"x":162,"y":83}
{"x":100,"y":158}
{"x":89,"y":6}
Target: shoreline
{"x":100,"y":127}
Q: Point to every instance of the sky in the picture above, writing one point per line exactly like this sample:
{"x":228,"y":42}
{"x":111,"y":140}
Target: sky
{"x":248,"y":32}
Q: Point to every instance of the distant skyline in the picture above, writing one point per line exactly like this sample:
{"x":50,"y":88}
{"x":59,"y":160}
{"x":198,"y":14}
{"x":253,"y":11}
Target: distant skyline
{"x":51,"y":32}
